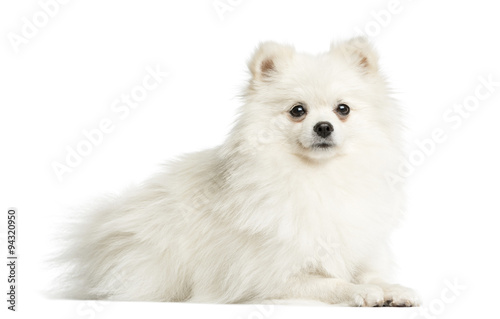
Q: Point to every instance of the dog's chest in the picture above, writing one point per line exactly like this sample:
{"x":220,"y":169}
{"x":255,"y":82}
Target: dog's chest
{"x":326,"y":225}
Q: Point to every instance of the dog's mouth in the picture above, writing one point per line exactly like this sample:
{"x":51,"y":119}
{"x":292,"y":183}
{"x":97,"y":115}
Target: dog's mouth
{"x":322,"y":146}
{"x":318,"y":146}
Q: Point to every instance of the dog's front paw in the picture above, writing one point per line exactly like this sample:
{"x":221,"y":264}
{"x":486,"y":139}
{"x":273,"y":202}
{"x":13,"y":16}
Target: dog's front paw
{"x":366,"y":296}
{"x":400,"y":296}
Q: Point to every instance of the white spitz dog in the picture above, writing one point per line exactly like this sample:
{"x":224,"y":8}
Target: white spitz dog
{"x":294,"y":205}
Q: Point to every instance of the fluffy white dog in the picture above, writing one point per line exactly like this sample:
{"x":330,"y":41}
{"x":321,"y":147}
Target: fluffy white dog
{"x":294,"y":205}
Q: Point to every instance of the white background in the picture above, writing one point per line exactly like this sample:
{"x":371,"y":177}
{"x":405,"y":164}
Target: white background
{"x":64,"y":79}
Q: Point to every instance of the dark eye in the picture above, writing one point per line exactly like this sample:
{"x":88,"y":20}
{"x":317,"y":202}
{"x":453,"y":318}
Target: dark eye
{"x":298,"y":111}
{"x":343,"y":109}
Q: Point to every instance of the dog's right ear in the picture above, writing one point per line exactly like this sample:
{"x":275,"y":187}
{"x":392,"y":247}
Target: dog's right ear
{"x":269,"y":59}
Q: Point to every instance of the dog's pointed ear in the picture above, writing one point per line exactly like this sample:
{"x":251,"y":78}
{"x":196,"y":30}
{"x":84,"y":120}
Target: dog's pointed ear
{"x":359,"y":52}
{"x":269,"y":59}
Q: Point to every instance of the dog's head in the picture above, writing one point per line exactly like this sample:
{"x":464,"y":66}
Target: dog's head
{"x":318,"y":106}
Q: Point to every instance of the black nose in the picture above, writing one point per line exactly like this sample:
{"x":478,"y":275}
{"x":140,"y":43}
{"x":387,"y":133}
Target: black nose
{"x":323,"y":129}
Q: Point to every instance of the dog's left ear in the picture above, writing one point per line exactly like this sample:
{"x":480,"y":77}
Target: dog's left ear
{"x":269,"y":59}
{"x":359,"y":52}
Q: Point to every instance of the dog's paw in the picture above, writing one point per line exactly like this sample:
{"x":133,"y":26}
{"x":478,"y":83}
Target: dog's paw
{"x":366,"y":296}
{"x":400,"y":296}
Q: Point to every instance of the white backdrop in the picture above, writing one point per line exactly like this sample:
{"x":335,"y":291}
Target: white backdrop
{"x":67,"y":67}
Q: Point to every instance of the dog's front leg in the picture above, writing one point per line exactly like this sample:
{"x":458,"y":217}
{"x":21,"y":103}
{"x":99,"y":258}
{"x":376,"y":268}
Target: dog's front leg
{"x":334,"y":291}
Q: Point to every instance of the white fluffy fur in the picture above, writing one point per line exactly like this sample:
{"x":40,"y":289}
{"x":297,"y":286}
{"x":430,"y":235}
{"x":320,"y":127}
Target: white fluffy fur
{"x":264,"y":216}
